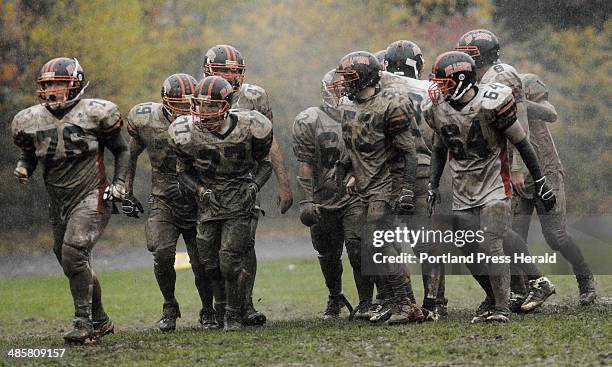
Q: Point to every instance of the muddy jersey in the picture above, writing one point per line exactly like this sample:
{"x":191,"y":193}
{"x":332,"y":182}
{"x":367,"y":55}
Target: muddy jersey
{"x":477,"y":146}
{"x":371,"y":130}
{"x":506,"y":74}
{"x":70,"y":149}
{"x":224,"y":161}
{"x":253,"y":97}
{"x":317,"y":140}
{"x":148,"y":125}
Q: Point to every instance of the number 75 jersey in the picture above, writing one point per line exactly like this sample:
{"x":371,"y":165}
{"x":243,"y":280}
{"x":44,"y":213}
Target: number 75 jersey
{"x":477,"y":146}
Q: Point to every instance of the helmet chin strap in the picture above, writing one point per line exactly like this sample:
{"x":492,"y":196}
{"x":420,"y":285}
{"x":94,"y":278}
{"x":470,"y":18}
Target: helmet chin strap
{"x":456,"y":96}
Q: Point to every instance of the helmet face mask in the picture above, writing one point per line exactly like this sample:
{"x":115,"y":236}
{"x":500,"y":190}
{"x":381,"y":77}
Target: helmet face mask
{"x":176,"y":94}
{"x":357,"y":71}
{"x":329,"y":94}
{"x":453,"y":75}
{"x":211,"y":102}
{"x":226,"y":62}
{"x":61,"y":82}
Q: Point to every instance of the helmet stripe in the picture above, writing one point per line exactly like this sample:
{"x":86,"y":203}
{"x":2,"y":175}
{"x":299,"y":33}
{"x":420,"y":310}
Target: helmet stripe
{"x":190,"y":84}
{"x":234,"y":53}
{"x":228,"y":53}
{"x":52,"y":66}
{"x":180,"y":79}
{"x":210,"y":86}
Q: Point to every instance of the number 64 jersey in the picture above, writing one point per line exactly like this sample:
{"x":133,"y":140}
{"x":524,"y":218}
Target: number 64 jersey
{"x":477,"y":146}
{"x":224,"y":161}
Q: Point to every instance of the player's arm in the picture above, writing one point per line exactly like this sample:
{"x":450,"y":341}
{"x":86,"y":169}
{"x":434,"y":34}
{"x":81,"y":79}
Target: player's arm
{"x":399,"y":122}
{"x":136,"y":147}
{"x":542,"y":110}
{"x":261,"y":149}
{"x":110,"y":137}
{"x":506,"y":121}
{"x":27,"y":161}
{"x":304,"y":151}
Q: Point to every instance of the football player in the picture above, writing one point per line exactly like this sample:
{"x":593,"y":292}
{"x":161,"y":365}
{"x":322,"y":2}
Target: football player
{"x":540,"y":112}
{"x":333,"y":219}
{"x":473,"y":123}
{"x":222,"y":158}
{"x":376,"y":121}
{"x":173,"y":211}
{"x":483,"y":46}
{"x":227,"y":62}
{"x":405,"y":60}
{"x":67,"y":134}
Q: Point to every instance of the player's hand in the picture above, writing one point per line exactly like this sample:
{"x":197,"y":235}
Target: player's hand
{"x":309,"y":213}
{"x":114,"y":192}
{"x":433,"y":197}
{"x":339,"y":174}
{"x":545,"y":193}
{"x":517,"y":178}
{"x":174,"y":192}
{"x":131,"y":206}
{"x":207,"y":198}
{"x":405,"y":203}
{"x":22,"y":175}
{"x":251,"y":196}
{"x":284,"y":199}
{"x":350,"y":186}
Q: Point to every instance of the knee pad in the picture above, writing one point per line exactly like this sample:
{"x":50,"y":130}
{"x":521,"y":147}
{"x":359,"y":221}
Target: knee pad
{"x":164,"y":257}
{"x":231,"y":265}
{"x":74,"y":260}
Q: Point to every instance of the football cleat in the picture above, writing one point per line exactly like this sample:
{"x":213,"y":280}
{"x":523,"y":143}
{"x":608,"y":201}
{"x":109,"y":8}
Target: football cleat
{"x":362,"y":311}
{"x":252,"y":317}
{"x":103,"y":327}
{"x":334,"y":305}
{"x":486,"y":309}
{"x":208,"y":320}
{"x":382,"y":312}
{"x":499,"y":316}
{"x":170,"y":314}
{"x":539,"y":290}
{"x":516,"y":301}
{"x":231,"y":321}
{"x":82,"y":332}
{"x":404,"y":313}
{"x":442,"y":306}
{"x":586,"y":286}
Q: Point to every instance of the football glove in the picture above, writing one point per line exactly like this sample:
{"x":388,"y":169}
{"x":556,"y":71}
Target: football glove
{"x":207,"y":198}
{"x":405,"y":203}
{"x":131,"y":206}
{"x":339,"y":175}
{"x":114,"y":192}
{"x":545,"y":193}
{"x":174,"y":192}
{"x":309,"y":213}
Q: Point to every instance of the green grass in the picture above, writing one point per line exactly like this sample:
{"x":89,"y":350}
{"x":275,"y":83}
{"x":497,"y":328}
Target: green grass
{"x":35,"y":310}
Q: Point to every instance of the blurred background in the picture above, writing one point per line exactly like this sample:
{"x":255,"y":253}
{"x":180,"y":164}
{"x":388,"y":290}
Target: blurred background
{"x":128,"y":48}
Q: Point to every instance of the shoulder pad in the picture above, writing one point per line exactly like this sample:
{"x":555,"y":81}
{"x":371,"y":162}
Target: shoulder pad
{"x":252,"y":91}
{"x":307,"y":117}
{"x":105,"y":112}
{"x":506,"y":75}
{"x":180,"y":130}
{"x":23,"y":118}
{"x":259,"y":124}
{"x":497,"y":96}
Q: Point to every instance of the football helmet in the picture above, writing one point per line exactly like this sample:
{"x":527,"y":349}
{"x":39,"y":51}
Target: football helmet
{"x":227,"y":62}
{"x":404,"y":58}
{"x":357,"y":70}
{"x":380,"y":56}
{"x":328,"y":93}
{"x":176,"y":93}
{"x":211,"y":102}
{"x":454,"y":73}
{"x":61,"y":82}
{"x":482,"y":45}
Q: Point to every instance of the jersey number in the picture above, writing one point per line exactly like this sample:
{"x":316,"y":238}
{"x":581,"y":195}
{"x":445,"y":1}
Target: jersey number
{"x":71,"y":148}
{"x":211,"y":158}
{"x":476,"y":142}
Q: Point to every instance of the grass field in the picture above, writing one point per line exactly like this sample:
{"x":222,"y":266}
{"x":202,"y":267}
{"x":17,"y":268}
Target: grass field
{"x":35,"y":310}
